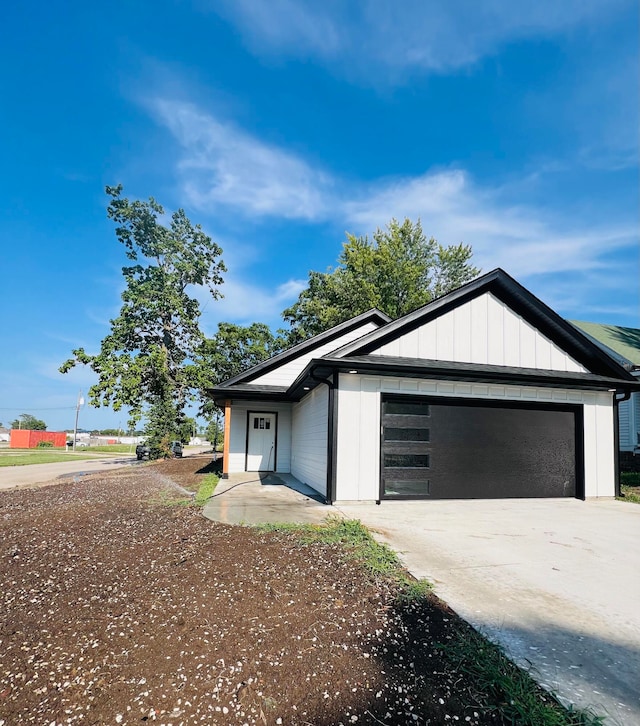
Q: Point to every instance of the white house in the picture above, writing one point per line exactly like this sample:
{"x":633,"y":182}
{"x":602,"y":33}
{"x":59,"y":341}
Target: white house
{"x":482,"y":393}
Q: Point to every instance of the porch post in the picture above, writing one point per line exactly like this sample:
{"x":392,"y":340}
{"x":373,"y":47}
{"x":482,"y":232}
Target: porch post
{"x":227,"y":436}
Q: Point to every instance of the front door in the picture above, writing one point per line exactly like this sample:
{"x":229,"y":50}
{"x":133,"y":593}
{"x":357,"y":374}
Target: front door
{"x":261,"y":444}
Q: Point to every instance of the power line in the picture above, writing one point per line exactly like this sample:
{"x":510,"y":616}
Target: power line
{"x":20,"y":408}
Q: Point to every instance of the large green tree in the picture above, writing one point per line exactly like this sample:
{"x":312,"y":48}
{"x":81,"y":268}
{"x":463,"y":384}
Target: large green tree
{"x":397,"y":271}
{"x":29,"y":422}
{"x":144,"y":359}
{"x":233,"y":349}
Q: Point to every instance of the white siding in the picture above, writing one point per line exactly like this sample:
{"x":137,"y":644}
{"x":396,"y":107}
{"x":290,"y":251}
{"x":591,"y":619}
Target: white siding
{"x":309,"y":439}
{"x":238,"y":437}
{"x":484,"y":331}
{"x":358,"y":452}
{"x":624,"y":419}
{"x":287,"y":373}
{"x":629,"y":417}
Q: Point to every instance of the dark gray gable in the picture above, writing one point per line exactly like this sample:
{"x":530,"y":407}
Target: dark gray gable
{"x":520,"y":300}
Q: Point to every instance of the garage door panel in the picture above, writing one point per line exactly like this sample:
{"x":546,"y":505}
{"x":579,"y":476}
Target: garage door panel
{"x":484,"y":450}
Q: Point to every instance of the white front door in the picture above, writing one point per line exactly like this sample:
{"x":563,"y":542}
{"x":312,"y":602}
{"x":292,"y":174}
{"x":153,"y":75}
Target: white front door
{"x":261,"y":448}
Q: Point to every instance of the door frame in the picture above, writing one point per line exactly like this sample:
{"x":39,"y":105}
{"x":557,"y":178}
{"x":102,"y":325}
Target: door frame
{"x":576,"y":408}
{"x":275,"y":440}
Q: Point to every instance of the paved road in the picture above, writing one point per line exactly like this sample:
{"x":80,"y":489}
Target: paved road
{"x":34,"y":474}
{"x":38,"y":474}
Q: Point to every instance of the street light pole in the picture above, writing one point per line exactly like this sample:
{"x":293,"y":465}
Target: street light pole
{"x":75,"y":427}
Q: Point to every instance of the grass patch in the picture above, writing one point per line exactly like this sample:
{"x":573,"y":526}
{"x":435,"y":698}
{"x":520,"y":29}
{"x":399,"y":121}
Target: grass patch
{"x":114,"y":449}
{"x":170,"y":498}
{"x":205,"y":490}
{"x":18,"y":457}
{"x":378,"y":561}
{"x":630,"y":494}
{"x":630,"y":478}
{"x":506,"y":690}
{"x":630,"y":487}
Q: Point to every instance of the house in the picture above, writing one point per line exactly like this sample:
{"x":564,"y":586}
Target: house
{"x":483,"y":393}
{"x":623,"y":345}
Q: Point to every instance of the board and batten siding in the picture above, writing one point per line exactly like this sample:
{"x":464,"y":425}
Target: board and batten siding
{"x":309,"y":439}
{"x":287,"y":373}
{"x":358,"y":451}
{"x":486,"y":331}
{"x":629,"y":422}
{"x":238,"y":436}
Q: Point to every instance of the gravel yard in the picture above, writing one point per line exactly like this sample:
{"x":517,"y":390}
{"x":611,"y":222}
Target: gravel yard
{"x":120,"y":606}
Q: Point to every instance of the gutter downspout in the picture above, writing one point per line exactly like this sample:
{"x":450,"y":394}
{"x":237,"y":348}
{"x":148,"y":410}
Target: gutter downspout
{"x":626,"y":395}
{"x":332,"y":435}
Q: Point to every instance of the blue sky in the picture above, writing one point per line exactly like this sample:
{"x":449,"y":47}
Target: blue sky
{"x":279,"y":125}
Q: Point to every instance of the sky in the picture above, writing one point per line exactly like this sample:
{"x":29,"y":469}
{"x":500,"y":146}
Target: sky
{"x":281,"y":125}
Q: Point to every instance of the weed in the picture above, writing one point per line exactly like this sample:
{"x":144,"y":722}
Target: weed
{"x":378,"y":561}
{"x":630,"y":493}
{"x":508,"y":691}
{"x":205,"y":490}
{"x":630,"y":478}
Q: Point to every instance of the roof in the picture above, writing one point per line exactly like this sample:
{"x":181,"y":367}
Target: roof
{"x":621,"y":343}
{"x":373,"y":315}
{"x":606,"y":372}
{"x":520,"y":300}
{"x":453,"y":371}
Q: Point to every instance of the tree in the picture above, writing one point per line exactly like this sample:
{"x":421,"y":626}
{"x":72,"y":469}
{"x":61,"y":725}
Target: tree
{"x":215,"y":432}
{"x":398,"y":271}
{"x":233,"y":349}
{"x":29,"y":422}
{"x":143,"y":361}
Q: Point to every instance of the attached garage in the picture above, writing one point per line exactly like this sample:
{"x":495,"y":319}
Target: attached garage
{"x":483,"y":393}
{"x":442,"y":448}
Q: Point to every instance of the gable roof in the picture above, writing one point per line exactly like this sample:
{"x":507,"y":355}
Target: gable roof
{"x":604,"y":372}
{"x":520,"y":300}
{"x":619,"y":342}
{"x":371,"y":316}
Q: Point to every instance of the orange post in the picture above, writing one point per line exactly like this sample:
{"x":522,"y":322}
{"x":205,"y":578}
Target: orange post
{"x":227,"y":436}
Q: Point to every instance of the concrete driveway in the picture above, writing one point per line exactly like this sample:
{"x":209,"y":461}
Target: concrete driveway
{"x":555,"y":582}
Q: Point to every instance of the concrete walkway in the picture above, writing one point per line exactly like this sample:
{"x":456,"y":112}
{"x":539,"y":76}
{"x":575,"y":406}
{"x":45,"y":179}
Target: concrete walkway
{"x":555,"y":582}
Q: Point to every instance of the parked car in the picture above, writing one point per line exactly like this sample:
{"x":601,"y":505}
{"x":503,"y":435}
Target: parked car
{"x":142,"y":452}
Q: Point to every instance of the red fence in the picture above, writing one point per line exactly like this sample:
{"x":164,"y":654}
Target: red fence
{"x":27,"y":439}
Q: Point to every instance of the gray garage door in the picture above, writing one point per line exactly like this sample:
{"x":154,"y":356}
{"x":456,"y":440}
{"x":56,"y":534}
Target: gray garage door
{"x":436,"y":448}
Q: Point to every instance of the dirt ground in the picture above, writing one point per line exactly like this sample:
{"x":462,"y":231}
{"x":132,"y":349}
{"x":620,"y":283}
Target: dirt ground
{"x":118,"y":607}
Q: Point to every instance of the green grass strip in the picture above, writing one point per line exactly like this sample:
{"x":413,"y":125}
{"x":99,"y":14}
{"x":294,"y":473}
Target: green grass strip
{"x":378,"y":561}
{"x":629,"y":494}
{"x":506,"y":690}
{"x":205,"y":490}
{"x":46,"y":457}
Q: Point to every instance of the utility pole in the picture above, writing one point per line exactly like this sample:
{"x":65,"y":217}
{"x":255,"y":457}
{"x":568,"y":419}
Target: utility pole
{"x":75,"y":427}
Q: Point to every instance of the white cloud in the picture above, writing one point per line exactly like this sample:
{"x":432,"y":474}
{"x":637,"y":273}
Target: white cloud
{"x":245,"y":302}
{"x":524,"y":240}
{"x":528,"y":240}
{"x":375,"y":34}
{"x":223,"y":166}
